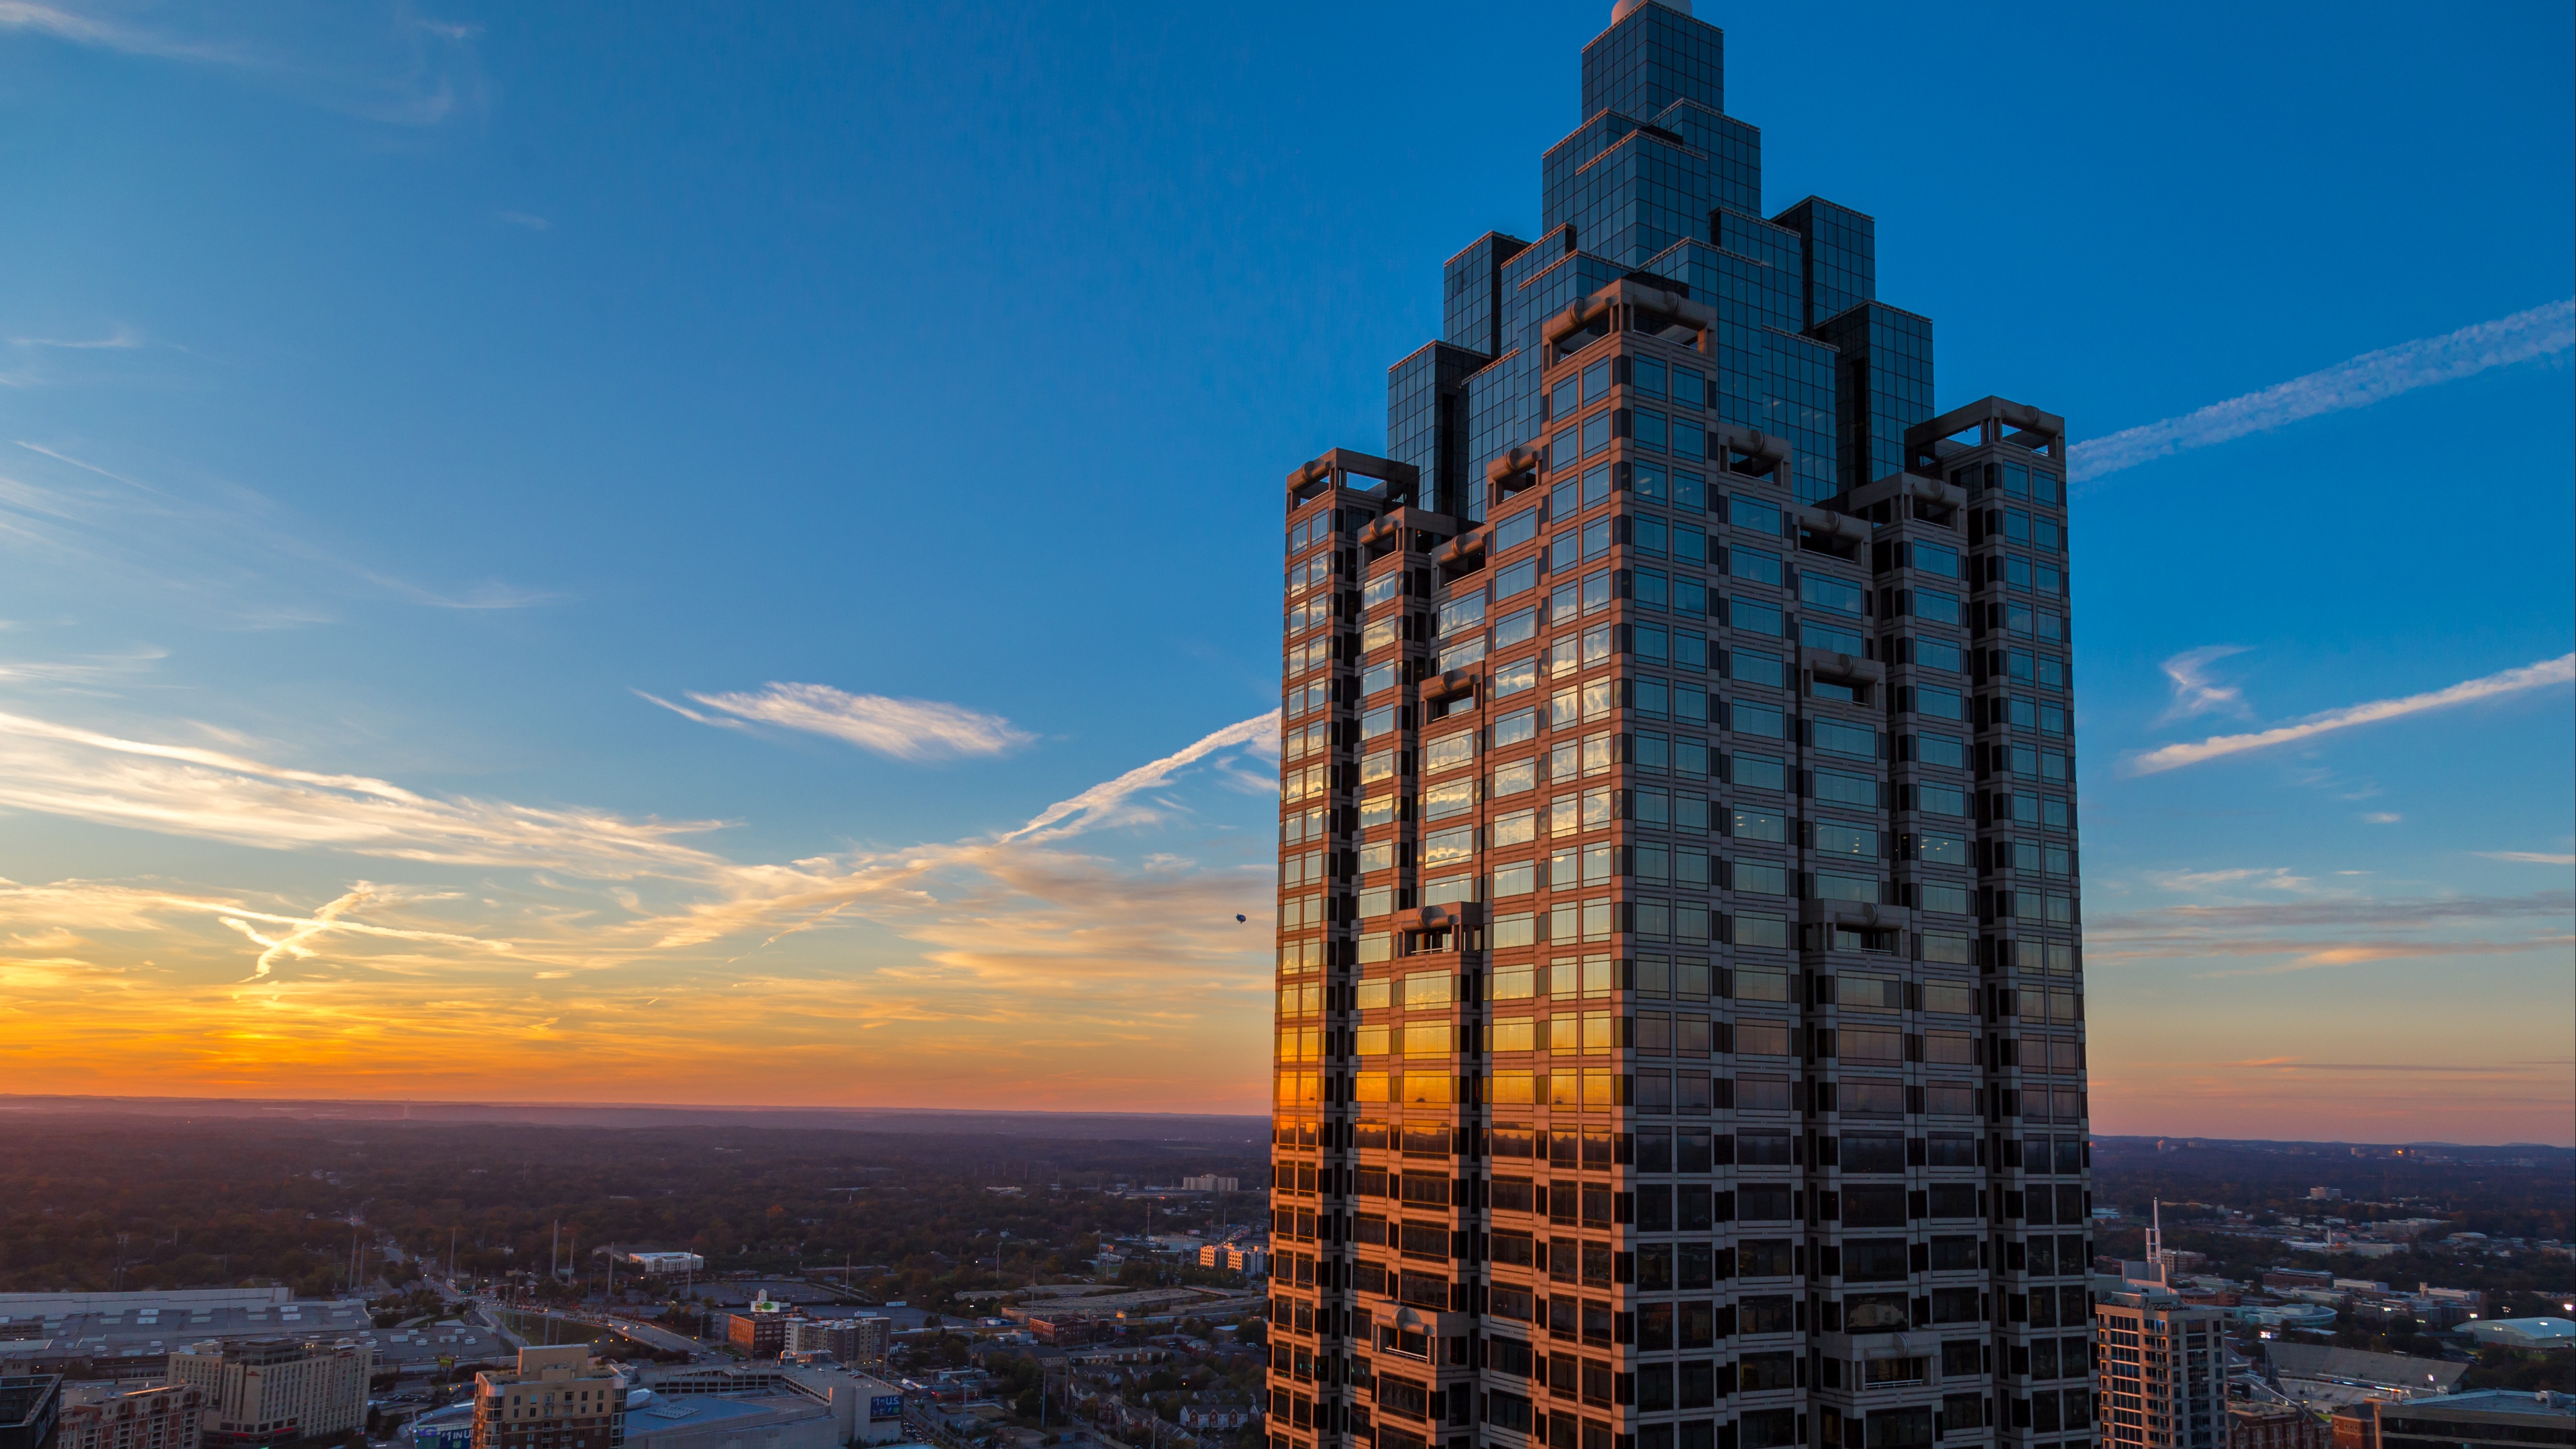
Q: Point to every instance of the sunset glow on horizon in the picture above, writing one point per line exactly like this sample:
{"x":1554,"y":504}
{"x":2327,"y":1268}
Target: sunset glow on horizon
{"x":736,"y":561}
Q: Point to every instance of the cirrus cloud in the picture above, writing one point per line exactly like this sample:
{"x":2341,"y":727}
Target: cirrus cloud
{"x":550,"y":931}
{"x":902,"y":729}
{"x":2541,"y":331}
{"x":2494,"y":686}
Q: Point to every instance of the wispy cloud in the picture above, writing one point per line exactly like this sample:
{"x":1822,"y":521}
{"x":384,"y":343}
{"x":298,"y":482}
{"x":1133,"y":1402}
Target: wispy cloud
{"x":2194,"y":692}
{"x":2275,"y":877}
{"x":699,"y":896}
{"x":1067,"y":975}
{"x":2312,"y":956}
{"x":2328,"y":931}
{"x":527,"y":219}
{"x":2506,"y":1070}
{"x":902,"y":729}
{"x":226,"y":548}
{"x":186,"y":790}
{"x":2381,"y":913}
{"x":1114,"y":801}
{"x":81,"y":25}
{"x":379,"y":62}
{"x":290,"y":942}
{"x":2372,"y":377}
{"x":2494,"y":686}
{"x":2382,"y":817}
{"x":119,"y":338}
{"x":2529,"y":857}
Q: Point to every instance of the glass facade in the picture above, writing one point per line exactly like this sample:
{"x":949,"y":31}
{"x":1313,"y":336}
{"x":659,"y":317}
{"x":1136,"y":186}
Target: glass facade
{"x":1680,"y":1012}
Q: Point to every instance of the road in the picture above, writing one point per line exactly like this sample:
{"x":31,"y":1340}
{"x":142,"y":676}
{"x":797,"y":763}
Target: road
{"x":649,"y":1334}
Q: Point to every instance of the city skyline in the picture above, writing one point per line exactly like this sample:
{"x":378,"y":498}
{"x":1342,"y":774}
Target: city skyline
{"x":486,"y":620}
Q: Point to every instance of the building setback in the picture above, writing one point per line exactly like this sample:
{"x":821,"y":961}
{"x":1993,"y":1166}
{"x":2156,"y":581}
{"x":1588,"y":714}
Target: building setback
{"x":267,"y":1391}
{"x":1680,"y":1038}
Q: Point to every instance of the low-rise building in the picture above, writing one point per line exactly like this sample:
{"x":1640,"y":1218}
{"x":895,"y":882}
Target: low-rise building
{"x":2480,"y":1419}
{"x":658,"y":1262}
{"x":1251,"y":1258}
{"x":448,"y":1428}
{"x":865,"y":1410}
{"x":1068,"y":1328}
{"x":29,"y":1405}
{"x":48,"y":1331}
{"x":851,"y":1341}
{"x":1210,"y":1182}
{"x":2311,"y":1371}
{"x":106,"y":1416}
{"x":261,"y":1390}
{"x":760,"y":1330}
{"x":2275,"y":1426}
{"x":559,"y":1398}
{"x":785,"y":1421}
{"x":2529,"y":1334}
{"x":2315,"y":1317}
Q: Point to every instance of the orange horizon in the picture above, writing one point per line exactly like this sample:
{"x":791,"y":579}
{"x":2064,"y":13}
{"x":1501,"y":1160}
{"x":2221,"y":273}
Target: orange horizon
{"x":10,"y":1100}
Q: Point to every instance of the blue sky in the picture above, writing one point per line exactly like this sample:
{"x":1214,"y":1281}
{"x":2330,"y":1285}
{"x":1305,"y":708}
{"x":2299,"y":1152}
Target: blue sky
{"x":418,"y":395}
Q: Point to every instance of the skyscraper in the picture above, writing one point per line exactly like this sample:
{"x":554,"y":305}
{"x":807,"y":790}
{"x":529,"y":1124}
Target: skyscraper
{"x":1680,"y":1029}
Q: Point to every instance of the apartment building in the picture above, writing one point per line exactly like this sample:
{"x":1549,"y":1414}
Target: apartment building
{"x":1680,"y":1032}
{"x":262,"y":1391}
{"x":2163,"y":1369}
{"x":560,"y":1397}
{"x":112,"y":1416}
{"x":847,"y":1340}
{"x":1249,"y":1258}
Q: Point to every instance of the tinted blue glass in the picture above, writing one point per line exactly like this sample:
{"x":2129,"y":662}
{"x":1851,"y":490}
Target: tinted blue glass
{"x":1753,"y":515}
{"x":1596,"y":486}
